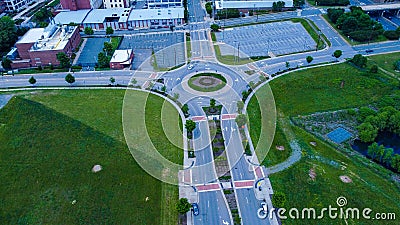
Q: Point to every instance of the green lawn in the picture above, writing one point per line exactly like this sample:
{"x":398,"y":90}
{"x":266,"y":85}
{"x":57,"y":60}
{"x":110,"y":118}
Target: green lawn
{"x":319,"y":89}
{"x":386,"y":62}
{"x":51,"y":140}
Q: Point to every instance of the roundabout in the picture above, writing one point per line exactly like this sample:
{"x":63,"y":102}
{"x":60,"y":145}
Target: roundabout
{"x":207,"y":82}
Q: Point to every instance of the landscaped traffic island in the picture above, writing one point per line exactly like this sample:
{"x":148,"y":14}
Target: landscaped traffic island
{"x":207,"y":82}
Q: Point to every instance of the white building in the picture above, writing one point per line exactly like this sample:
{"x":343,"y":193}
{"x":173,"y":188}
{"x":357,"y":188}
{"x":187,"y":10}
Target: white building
{"x":155,"y":18}
{"x":254,"y":4}
{"x":156,"y":4}
{"x":108,"y":4}
{"x":16,"y":5}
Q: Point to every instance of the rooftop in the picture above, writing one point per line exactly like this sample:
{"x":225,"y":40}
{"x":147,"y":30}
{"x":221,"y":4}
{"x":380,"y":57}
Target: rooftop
{"x":121,"y":56}
{"x":66,"y":17}
{"x":53,"y":38}
{"x":31,"y":36}
{"x":107,"y":15}
{"x":151,"y":14}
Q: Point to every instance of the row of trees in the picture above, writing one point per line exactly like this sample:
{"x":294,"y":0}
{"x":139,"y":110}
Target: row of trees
{"x":386,"y":119}
{"x":89,"y":31}
{"x":278,"y":6}
{"x":384,"y":156}
{"x":332,"y":2}
{"x":356,"y":24}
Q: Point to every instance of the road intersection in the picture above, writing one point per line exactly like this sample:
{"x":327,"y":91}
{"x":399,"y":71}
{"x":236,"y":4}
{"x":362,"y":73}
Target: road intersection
{"x":202,"y":174}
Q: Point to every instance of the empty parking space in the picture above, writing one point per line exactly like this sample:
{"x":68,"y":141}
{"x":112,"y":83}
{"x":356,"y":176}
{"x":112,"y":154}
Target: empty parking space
{"x":169,"y":48}
{"x":278,"y":38}
{"x":90,"y":51}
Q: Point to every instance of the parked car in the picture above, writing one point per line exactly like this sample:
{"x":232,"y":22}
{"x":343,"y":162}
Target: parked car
{"x":369,"y":50}
{"x":195,"y":209}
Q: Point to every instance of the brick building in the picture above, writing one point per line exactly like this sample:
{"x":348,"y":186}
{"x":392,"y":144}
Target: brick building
{"x":80,"y":4}
{"x":121,"y":59}
{"x":107,"y":4}
{"x":39,"y":46}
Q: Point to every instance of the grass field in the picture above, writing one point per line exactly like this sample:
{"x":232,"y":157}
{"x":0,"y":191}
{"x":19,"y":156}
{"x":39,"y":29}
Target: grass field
{"x":319,"y":89}
{"x":51,"y":140}
{"x":386,"y":62}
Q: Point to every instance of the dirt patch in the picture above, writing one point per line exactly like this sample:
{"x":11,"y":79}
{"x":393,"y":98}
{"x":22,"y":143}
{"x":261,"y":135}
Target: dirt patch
{"x":345,"y":179}
{"x":280,"y":147}
{"x":313,"y":143}
{"x":312,"y":174}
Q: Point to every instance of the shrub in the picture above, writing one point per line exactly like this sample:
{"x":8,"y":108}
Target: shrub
{"x":391,"y":34}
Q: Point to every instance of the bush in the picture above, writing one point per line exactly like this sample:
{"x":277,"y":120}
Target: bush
{"x":278,"y":199}
{"x":332,"y":2}
{"x":397,"y":65}
{"x":374,"y":69}
{"x":359,"y":60}
{"x":391,"y":34}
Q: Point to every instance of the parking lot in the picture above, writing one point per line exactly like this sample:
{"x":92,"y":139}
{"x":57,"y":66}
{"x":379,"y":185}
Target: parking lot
{"x":90,"y":51}
{"x":169,"y":48}
{"x":278,"y":38}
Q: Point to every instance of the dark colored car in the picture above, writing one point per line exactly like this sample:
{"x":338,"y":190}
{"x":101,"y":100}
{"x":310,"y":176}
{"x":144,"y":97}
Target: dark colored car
{"x":369,"y":51}
{"x":195,"y":209}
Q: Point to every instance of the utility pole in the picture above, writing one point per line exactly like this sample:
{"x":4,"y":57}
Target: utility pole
{"x":238,"y":52}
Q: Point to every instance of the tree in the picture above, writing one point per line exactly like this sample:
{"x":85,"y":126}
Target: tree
{"x":298,"y":3}
{"x":380,"y":153}
{"x":374,"y":69}
{"x":334,"y":14}
{"x":164,"y":88}
{"x":6,"y":63}
{"x":240,"y":106}
{"x":88,"y":31}
{"x":32,"y":80}
{"x":64,"y":60}
{"x":212,"y":103}
{"x":387,"y":157}
{"x":8,"y":33}
{"x":359,"y":60}
{"x":278,"y":199}
{"x":133,"y":81}
{"x":396,"y":65}
{"x":367,"y":132}
{"x":112,"y":80}
{"x":214,"y":27}
{"x":241,"y":120}
{"x":372,"y":150}
{"x":287,"y":64}
{"x":337,"y":53}
{"x":108,"y":48}
{"x":309,"y":59}
{"x":185,"y":110}
{"x":42,"y":15}
{"x":102,"y":60}
{"x":183,"y":206}
{"x":69,"y":78}
{"x":190,"y":125}
{"x":395,"y":163}
{"x":278,"y":6}
{"x":209,"y":8}
{"x":109,"y":31}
